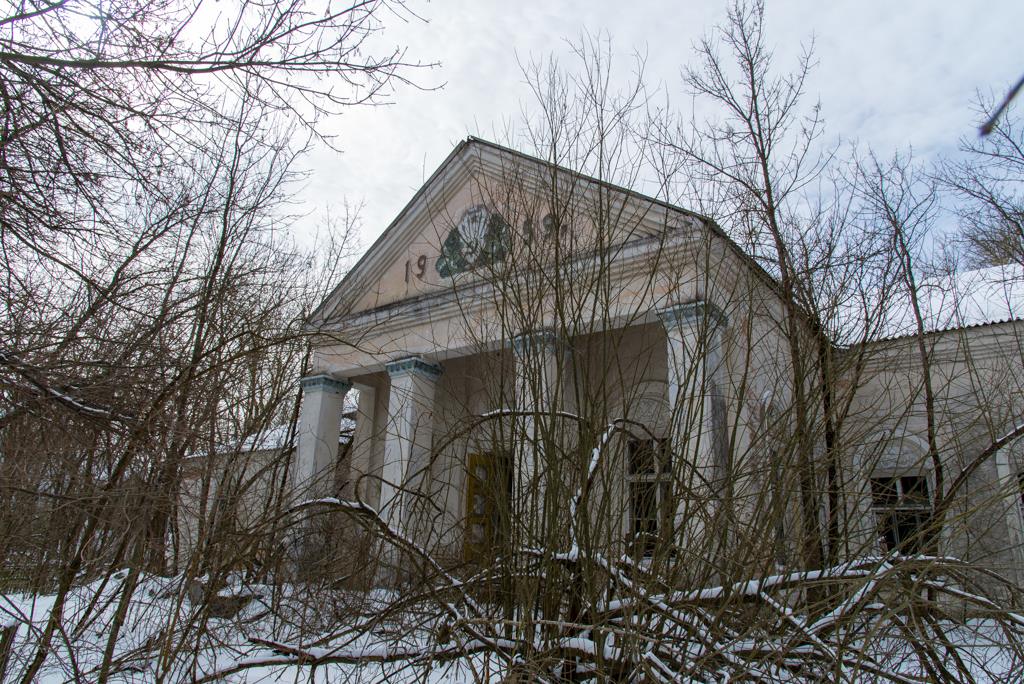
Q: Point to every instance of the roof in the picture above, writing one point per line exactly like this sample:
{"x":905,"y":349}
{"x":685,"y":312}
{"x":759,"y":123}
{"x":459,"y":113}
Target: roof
{"x":274,"y":439}
{"x":318,"y":312}
{"x":277,"y":437}
{"x":351,"y":279}
{"x":960,"y":300}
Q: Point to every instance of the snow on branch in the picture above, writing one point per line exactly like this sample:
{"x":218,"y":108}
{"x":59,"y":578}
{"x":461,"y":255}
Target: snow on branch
{"x":64,"y":396}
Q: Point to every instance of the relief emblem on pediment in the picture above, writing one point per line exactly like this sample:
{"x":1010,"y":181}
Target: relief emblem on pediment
{"x":480,"y":238}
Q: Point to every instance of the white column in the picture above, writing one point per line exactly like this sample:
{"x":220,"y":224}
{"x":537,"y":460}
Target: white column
{"x":1009,"y":490}
{"x":408,"y":439}
{"x":319,"y":427}
{"x":696,"y":402}
{"x":536,"y":391}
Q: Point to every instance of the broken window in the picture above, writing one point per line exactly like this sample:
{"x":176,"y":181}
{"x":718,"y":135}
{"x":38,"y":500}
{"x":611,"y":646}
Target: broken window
{"x":1020,"y":492}
{"x":902,"y":506}
{"x":649,"y":474}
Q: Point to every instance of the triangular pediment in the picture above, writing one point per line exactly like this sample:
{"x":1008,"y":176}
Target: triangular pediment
{"x":476,"y":212}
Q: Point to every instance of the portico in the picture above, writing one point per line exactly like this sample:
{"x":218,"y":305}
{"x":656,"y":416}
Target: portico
{"x":403,"y":448}
{"x":480,"y":357}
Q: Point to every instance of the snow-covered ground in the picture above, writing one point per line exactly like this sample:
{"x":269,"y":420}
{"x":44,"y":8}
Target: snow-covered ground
{"x":161,"y":607}
{"x":166,"y":638}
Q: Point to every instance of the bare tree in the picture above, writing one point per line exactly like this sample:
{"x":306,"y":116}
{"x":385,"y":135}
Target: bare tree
{"x":757,"y":163}
{"x":152,"y":305}
{"x":614,"y":528}
{"x":655,"y":455}
{"x":986,"y":184}
{"x":145,"y":376}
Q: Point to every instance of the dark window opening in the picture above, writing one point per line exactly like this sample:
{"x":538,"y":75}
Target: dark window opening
{"x":649,"y":477}
{"x":1020,"y":491}
{"x":902,"y":507}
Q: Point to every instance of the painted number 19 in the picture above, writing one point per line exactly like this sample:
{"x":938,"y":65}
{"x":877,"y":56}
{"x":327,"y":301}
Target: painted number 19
{"x":419,"y":269}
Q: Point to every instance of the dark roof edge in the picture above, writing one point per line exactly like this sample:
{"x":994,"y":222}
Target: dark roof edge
{"x":628,"y":192}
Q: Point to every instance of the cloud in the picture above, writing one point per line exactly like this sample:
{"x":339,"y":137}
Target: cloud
{"x":890,"y":74}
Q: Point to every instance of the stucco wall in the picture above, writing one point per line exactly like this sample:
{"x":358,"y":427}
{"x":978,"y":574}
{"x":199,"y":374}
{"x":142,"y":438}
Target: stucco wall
{"x":978,"y":382}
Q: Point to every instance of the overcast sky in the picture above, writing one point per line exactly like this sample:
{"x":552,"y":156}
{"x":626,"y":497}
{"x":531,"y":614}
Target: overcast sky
{"x":890,"y":74}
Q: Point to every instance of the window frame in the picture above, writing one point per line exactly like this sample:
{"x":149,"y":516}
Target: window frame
{"x":1019,"y":492}
{"x":897,"y":510}
{"x":656,"y":480}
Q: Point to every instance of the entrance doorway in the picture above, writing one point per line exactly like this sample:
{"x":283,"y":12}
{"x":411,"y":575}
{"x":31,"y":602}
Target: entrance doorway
{"x":488,"y":505}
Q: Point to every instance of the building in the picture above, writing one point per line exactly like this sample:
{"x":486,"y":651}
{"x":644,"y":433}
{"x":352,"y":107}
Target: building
{"x":528,"y":343}
{"x":229,"y":491}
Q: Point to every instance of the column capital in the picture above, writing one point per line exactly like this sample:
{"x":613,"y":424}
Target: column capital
{"x":325,"y":383}
{"x":532,"y":341}
{"x":413,"y":365}
{"x":692,"y":313}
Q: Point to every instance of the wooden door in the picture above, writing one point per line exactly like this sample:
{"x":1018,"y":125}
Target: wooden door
{"x":488,"y":495}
